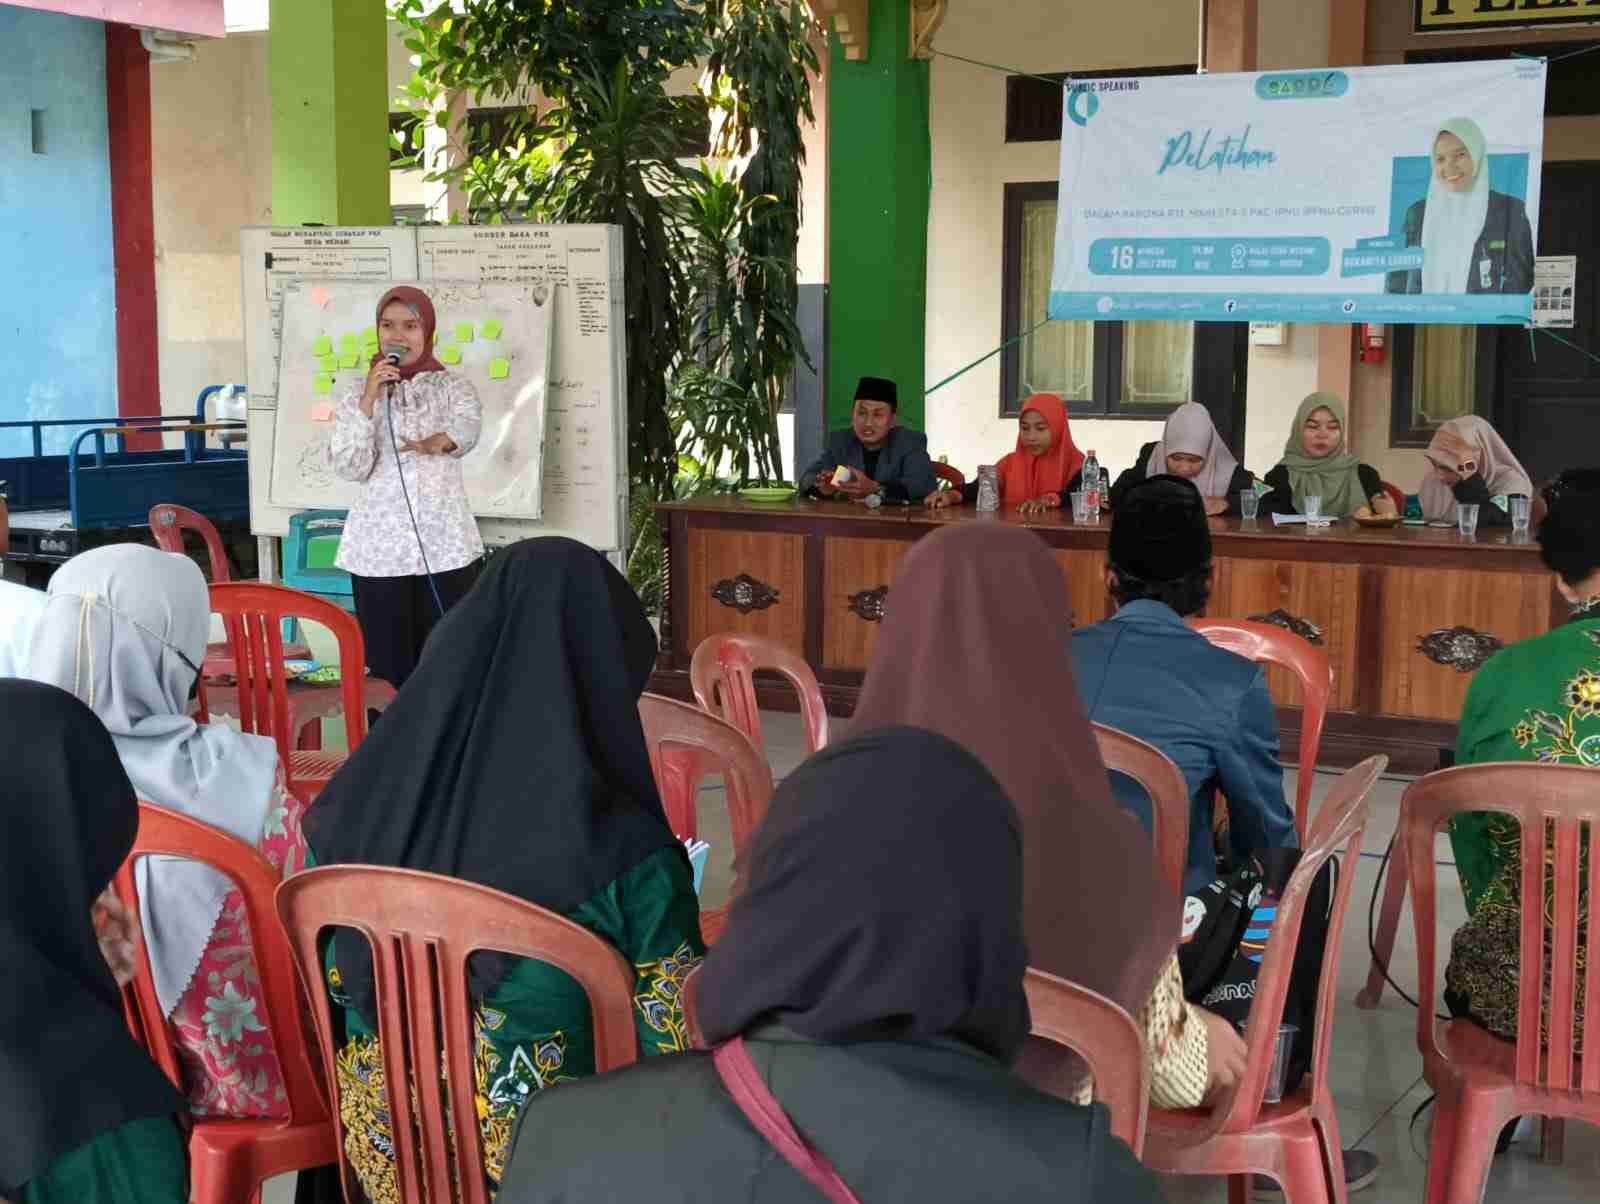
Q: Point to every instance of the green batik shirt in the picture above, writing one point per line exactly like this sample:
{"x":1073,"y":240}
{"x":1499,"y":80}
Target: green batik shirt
{"x":533,"y":1029}
{"x":1535,"y":701}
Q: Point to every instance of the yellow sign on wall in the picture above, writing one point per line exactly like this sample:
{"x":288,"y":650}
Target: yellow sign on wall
{"x":1459,"y":16}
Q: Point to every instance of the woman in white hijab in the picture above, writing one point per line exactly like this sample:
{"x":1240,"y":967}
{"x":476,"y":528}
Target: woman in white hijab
{"x":1471,"y":463}
{"x":1473,"y":239}
{"x":1190,"y":448}
{"x":124,"y":628}
{"x":20,"y":608}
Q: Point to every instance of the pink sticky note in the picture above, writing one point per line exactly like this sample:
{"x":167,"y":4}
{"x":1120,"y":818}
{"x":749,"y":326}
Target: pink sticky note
{"x":320,"y":297}
{"x":322,"y":412}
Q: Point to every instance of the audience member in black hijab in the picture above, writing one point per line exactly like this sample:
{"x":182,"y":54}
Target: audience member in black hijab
{"x":514,"y":757}
{"x":88,"y":1118}
{"x":873,"y":970}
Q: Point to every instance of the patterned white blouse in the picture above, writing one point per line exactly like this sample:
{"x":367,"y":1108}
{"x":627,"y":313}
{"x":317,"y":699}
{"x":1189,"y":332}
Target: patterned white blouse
{"x":378,"y":539}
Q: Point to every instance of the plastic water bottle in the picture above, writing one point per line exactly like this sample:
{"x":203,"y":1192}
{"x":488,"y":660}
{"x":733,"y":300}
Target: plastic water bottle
{"x":1091,"y":482}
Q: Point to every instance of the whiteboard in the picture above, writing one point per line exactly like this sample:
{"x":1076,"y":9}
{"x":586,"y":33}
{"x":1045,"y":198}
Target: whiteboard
{"x":496,"y":336}
{"x":585,"y":465}
{"x":273,"y":256}
{"x":586,"y":433}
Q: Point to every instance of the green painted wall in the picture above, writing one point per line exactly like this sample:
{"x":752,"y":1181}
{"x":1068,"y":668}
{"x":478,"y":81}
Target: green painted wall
{"x":328,"y":61}
{"x":879,"y":176}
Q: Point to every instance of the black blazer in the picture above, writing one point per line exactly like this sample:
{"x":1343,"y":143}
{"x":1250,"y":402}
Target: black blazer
{"x":1506,"y":242}
{"x":904,"y":469}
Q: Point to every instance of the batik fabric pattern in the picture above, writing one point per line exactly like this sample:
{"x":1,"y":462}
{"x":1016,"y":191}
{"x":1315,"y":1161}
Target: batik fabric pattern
{"x":230,"y":1068}
{"x":1536,"y":701}
{"x":534,"y":1029}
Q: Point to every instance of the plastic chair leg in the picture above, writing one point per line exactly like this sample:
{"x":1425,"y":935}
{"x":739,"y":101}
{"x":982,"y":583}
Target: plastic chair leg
{"x":221,"y":1175}
{"x":1394,"y":895}
{"x":1331,"y":1150}
{"x":1553,"y":1140}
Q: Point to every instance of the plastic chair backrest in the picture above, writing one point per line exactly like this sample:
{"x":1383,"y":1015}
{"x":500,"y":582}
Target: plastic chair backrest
{"x":168,"y":522}
{"x":1169,"y":795}
{"x":1106,"y":1038}
{"x":1552,"y":804}
{"x":722,"y":674}
{"x":421,"y":929}
{"x":167,"y":833}
{"x":1265,"y":643}
{"x":687,"y":745}
{"x":1340,"y":822}
{"x":253,"y":614}
{"x":946,"y":472}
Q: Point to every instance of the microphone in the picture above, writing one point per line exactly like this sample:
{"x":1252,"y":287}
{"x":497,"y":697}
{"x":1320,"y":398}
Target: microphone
{"x":394,"y":353}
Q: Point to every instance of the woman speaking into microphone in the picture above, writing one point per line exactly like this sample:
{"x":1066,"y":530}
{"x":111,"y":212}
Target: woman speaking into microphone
{"x":410,"y":544}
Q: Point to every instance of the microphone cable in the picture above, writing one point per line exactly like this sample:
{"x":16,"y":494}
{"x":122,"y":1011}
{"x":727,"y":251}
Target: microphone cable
{"x":400,"y":471}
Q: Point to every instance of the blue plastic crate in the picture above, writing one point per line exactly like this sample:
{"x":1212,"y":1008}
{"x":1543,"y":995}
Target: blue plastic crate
{"x":309,"y":533}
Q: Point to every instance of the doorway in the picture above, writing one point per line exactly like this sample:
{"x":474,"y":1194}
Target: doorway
{"x":1548,"y":400}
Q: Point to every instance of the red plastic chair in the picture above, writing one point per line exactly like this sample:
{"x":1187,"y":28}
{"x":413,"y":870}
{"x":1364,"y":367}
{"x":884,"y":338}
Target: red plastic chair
{"x":1105,"y":1037}
{"x":686,"y":746}
{"x":230,"y":1159}
{"x":955,"y":476}
{"x":1169,"y":795}
{"x":1264,"y":643}
{"x":1295,"y":1141}
{"x":422,"y":928}
{"x":1483,"y":1082}
{"x":723,"y":671}
{"x":253,"y":614}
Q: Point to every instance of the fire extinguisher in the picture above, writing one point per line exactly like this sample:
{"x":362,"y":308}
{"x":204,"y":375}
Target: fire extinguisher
{"x":1371,"y":340}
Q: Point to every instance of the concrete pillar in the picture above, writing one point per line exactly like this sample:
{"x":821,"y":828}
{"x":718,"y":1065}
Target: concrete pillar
{"x":328,"y":62}
{"x":879,"y":180}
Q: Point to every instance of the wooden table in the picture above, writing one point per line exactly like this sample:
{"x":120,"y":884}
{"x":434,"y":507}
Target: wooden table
{"x":1405,"y":614}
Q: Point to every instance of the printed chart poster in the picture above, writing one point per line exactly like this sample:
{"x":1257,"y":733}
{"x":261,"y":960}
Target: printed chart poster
{"x":1373,"y":194}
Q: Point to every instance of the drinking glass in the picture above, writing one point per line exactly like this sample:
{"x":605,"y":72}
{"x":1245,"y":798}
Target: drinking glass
{"x":1082,"y":510}
{"x":1249,"y":504}
{"x":1521,"y":509}
{"x":1313,"y":507}
{"x":1467,"y":519}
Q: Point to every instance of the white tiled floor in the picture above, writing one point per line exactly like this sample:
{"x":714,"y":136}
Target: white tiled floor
{"x":1375,"y":1073}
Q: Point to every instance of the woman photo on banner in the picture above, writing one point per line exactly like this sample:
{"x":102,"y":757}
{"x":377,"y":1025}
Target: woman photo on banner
{"x":1473,"y":239}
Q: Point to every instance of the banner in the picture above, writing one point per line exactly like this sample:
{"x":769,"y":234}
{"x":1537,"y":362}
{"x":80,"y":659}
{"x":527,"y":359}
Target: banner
{"x":1373,"y":194}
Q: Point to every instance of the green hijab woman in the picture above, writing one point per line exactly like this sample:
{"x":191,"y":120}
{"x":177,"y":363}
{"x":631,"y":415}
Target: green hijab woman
{"x":1335,"y":474}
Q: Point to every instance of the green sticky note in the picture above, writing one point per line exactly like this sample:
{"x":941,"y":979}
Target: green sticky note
{"x":350,"y":360}
{"x":324,"y":384}
{"x":463,"y":332}
{"x":322,"y":346}
{"x":492,"y":328}
{"x":349,"y":344}
{"x":449,"y":355}
{"x":330,"y":363}
{"x":369,"y":336}
{"x":499,"y":368}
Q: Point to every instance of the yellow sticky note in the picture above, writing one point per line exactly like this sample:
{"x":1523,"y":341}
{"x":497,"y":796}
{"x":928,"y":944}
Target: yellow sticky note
{"x":449,"y":355}
{"x":499,"y":368}
{"x":492,"y":328}
{"x":350,"y":360}
{"x":322,"y":346}
{"x":322,"y":412}
{"x":349,"y":344}
{"x":463,"y":332}
{"x":324,"y":384}
{"x":330,"y":363}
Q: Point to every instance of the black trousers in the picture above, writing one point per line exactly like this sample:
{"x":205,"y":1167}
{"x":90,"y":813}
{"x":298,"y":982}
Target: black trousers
{"x":398,"y":613}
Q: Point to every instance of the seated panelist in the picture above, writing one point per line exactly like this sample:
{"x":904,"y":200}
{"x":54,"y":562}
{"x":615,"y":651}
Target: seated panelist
{"x":875,"y":456}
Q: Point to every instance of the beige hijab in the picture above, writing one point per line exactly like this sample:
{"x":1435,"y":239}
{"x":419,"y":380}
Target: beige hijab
{"x":1460,"y":440}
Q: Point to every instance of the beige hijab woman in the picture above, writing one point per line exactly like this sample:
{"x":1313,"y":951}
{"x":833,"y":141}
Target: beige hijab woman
{"x":1469,"y":441}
